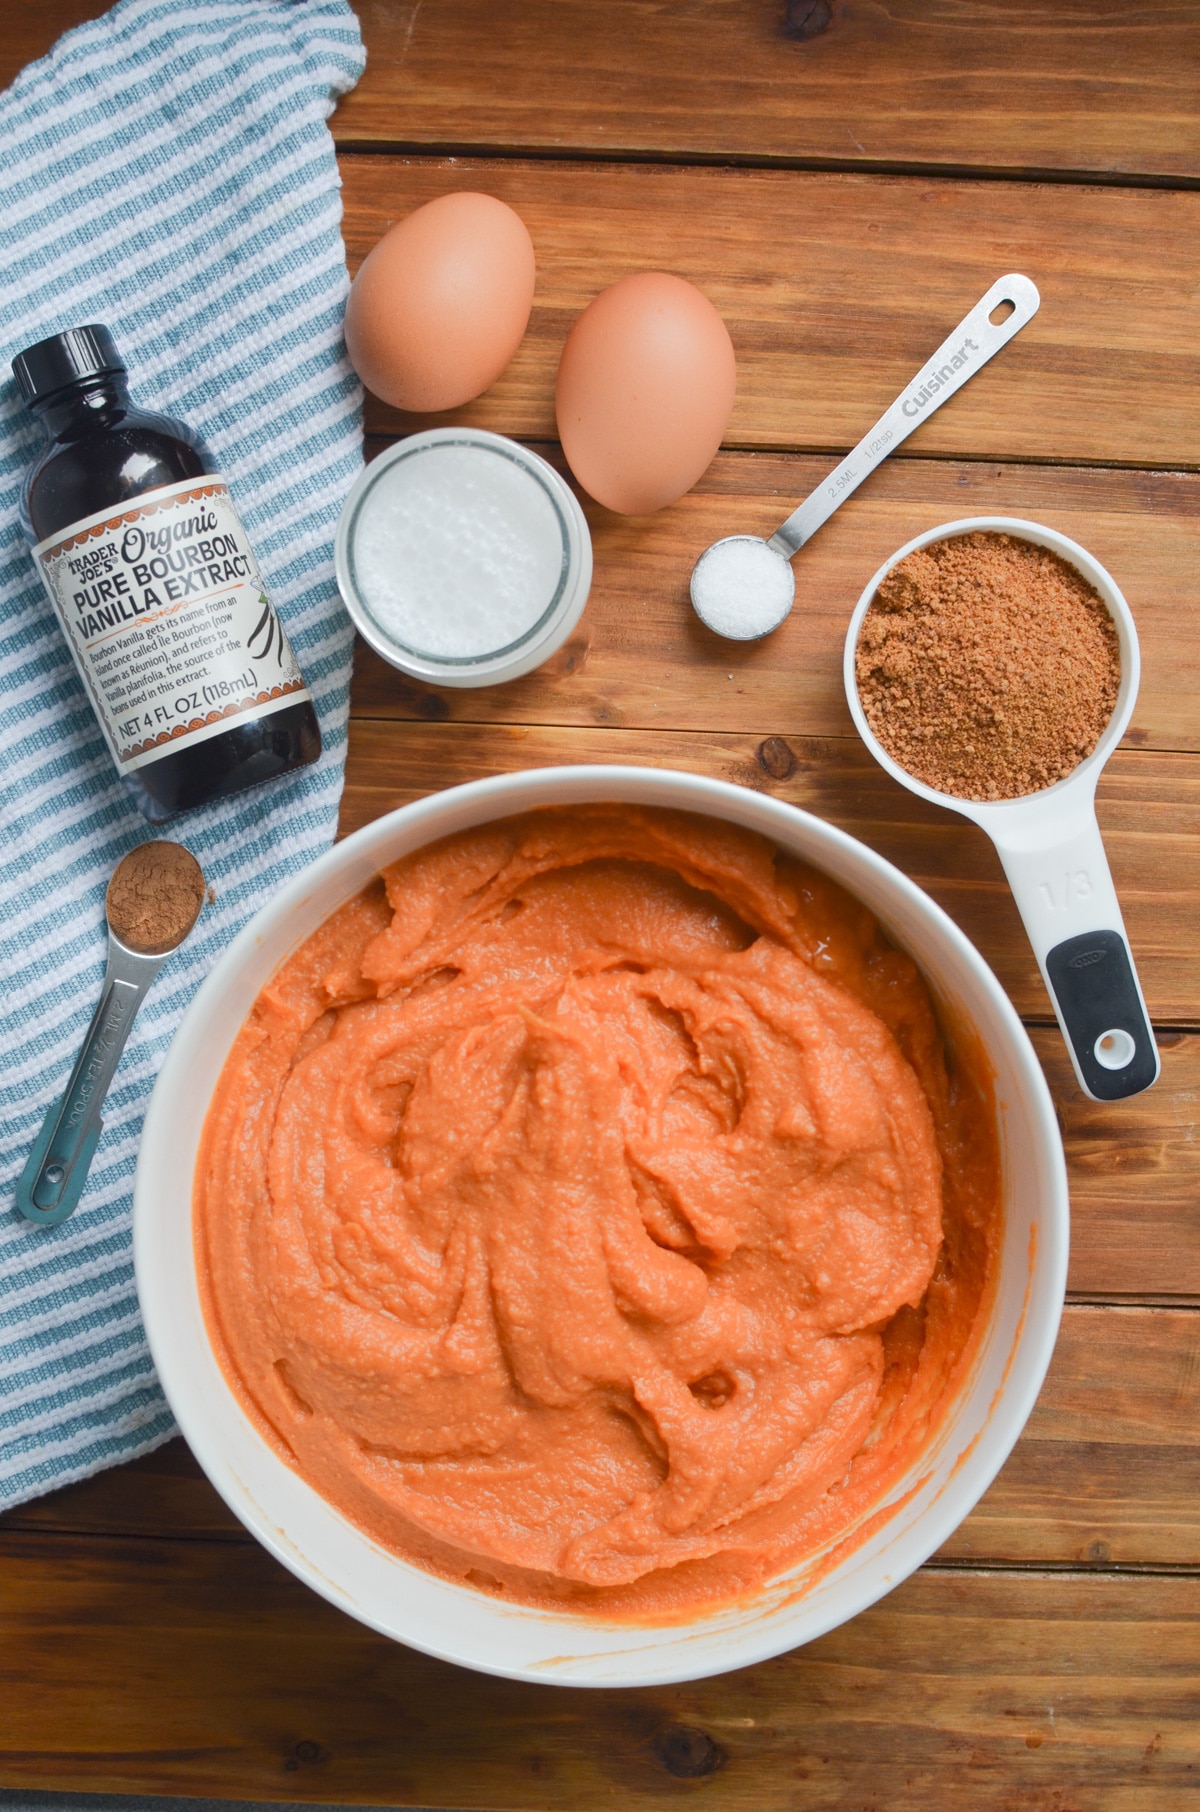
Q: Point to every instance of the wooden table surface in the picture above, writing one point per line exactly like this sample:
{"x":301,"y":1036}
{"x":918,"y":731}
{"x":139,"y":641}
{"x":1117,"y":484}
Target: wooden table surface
{"x":843,"y":198}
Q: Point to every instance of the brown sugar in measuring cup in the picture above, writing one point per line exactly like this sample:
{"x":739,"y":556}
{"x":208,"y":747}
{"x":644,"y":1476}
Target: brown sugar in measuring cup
{"x":987,"y":666}
{"x":1002,"y":700}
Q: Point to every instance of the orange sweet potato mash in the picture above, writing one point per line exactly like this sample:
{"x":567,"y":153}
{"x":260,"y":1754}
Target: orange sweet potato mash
{"x":590,"y":1212}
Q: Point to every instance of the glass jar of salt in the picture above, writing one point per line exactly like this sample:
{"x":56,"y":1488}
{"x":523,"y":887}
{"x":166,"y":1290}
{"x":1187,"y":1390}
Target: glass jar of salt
{"x":463,"y":558}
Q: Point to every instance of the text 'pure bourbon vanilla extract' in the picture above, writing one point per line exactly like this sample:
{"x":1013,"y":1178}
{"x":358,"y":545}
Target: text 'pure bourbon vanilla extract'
{"x":156,"y":587}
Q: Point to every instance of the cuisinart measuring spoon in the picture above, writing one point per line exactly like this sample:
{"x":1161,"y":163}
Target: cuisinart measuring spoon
{"x":153,"y":900}
{"x":743,"y":586}
{"x":1053,"y":856}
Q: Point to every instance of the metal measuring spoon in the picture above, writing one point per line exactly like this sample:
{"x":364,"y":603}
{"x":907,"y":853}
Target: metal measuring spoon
{"x":152,"y":902}
{"x":1050,"y":846}
{"x":743,"y":586}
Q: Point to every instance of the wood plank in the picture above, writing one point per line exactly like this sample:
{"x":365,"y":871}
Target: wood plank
{"x":28,"y":32}
{"x":640,"y":656}
{"x":1149,"y":808}
{"x":165,"y":1493}
{"x":179,"y":1667}
{"x":831,"y":316}
{"x":1135,"y":1175}
{"x":1062,"y":85}
{"x":1107,"y":1473}
{"x":1066,"y":86}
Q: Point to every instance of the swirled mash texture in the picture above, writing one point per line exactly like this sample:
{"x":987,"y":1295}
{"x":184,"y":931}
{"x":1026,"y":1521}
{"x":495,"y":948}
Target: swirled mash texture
{"x":588,"y":1212}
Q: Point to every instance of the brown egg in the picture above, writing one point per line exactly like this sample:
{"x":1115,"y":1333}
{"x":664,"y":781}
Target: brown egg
{"x":439,"y":305}
{"x":645,"y":391}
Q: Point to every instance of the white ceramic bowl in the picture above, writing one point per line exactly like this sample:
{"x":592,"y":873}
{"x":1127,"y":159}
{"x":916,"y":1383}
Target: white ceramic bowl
{"x":454,"y":1622}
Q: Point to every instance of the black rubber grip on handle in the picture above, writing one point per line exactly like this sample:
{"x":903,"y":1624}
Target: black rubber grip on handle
{"x":1097,"y":994}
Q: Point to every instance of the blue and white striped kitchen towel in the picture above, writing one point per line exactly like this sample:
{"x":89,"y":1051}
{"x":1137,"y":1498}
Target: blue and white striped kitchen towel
{"x":167,"y":170}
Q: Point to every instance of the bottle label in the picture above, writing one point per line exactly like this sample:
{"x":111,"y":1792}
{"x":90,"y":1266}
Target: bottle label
{"x":169,"y":621}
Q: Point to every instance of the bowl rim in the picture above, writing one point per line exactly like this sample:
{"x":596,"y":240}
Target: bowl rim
{"x":352,"y":862}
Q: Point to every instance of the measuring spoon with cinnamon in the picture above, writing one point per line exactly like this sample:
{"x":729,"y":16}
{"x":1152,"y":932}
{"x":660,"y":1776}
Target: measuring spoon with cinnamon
{"x":153,"y":901}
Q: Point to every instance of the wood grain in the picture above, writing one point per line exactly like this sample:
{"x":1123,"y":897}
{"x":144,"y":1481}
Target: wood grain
{"x":1134,"y":1169}
{"x":837,"y":288}
{"x":1107,"y":1473}
{"x":1062,"y":85}
{"x":28,"y":32}
{"x":165,"y":1493}
{"x":999,"y":84}
{"x":1149,"y":808}
{"x":641,"y":658}
{"x":228,"y":1678}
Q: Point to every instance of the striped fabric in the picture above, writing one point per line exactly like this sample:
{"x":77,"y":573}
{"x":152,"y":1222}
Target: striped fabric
{"x":166,"y":170}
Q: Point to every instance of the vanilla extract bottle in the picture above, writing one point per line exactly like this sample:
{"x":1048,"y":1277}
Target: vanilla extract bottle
{"x":156,"y":588}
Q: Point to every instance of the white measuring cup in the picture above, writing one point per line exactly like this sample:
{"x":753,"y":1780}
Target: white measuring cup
{"x":1052,"y":852}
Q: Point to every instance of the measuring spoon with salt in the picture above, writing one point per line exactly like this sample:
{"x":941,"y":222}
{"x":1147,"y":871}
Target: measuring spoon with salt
{"x":1050,"y":846}
{"x":742,"y":586}
{"x":152,"y":902}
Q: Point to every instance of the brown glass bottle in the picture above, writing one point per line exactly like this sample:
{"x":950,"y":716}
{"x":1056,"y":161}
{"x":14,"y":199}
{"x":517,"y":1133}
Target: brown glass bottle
{"x":162,"y":604}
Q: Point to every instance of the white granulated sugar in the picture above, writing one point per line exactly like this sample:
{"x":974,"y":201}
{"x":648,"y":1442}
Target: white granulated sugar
{"x":742,"y":588}
{"x":458,"y":550}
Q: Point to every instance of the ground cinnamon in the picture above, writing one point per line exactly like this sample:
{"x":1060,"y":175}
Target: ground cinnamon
{"x":987,"y":666}
{"x":154,"y":897}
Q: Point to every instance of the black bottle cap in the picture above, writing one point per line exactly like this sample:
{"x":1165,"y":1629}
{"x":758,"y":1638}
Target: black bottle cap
{"x":65,"y":358}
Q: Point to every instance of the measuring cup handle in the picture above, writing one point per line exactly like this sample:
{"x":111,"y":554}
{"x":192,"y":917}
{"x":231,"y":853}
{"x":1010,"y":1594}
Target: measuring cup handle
{"x":1066,"y":898}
